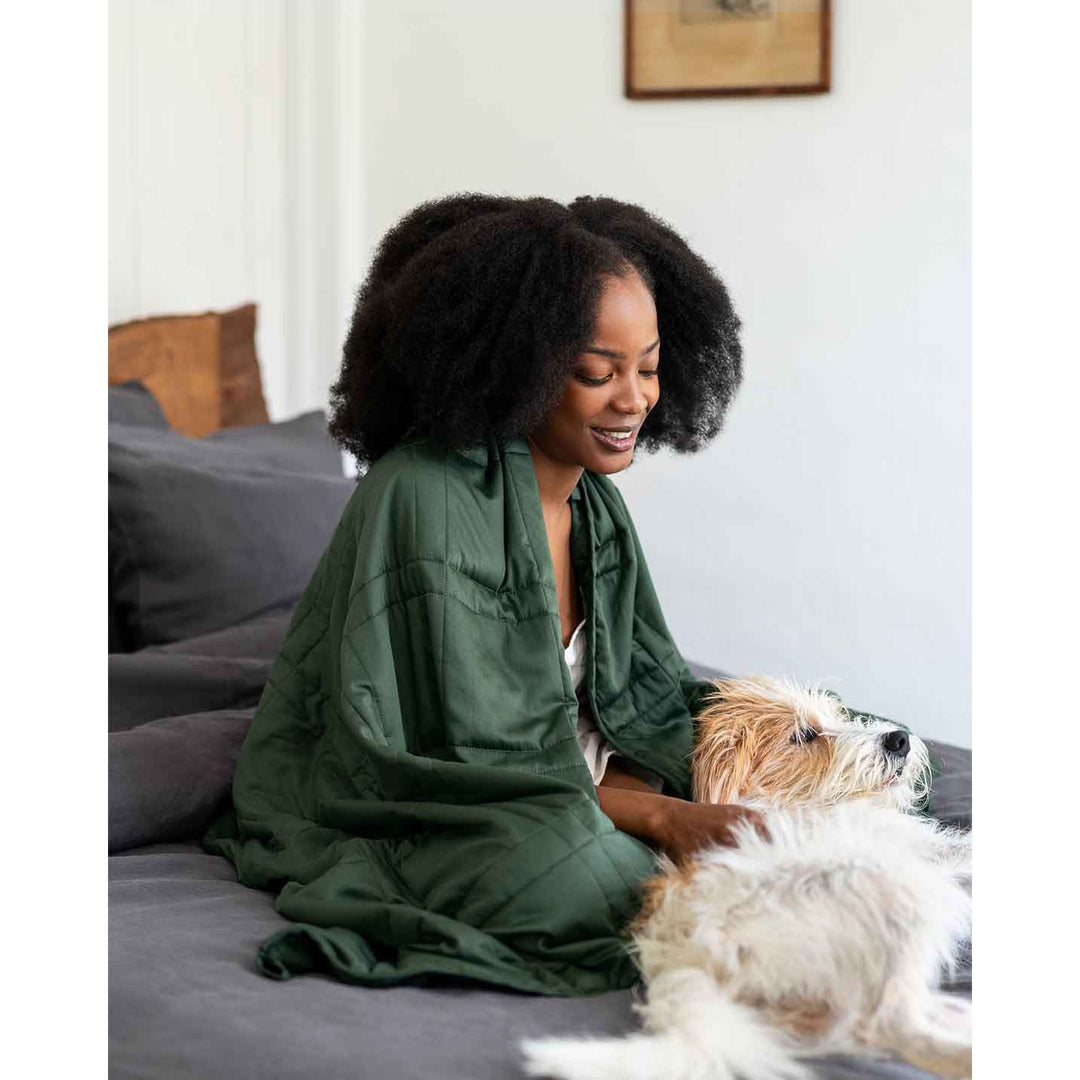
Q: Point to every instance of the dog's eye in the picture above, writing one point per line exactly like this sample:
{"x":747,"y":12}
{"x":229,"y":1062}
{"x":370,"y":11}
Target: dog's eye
{"x":804,"y":736}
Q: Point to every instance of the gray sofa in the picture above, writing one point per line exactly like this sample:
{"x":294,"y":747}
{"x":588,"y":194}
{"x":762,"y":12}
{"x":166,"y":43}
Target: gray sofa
{"x":185,"y":997}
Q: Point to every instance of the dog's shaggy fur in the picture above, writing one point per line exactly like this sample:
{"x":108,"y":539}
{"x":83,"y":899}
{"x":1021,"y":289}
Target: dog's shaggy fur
{"x":831,"y":935}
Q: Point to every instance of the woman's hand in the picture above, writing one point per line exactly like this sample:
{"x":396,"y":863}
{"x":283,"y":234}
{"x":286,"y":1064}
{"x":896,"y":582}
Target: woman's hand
{"x":677,"y":827}
{"x":684,"y":828}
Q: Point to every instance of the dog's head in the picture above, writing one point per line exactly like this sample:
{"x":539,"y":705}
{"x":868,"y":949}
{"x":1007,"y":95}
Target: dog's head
{"x":771,"y":741}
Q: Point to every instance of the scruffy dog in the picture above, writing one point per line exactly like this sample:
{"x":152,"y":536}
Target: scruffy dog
{"x":831,"y":935}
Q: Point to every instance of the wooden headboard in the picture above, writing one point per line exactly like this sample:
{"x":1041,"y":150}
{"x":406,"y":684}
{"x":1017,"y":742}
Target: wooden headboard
{"x":202,"y":369}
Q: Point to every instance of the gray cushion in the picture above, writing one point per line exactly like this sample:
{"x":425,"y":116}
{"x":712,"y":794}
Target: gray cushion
{"x":950,"y":796}
{"x":185,"y":998}
{"x":132,"y":404}
{"x":205,"y":533}
{"x":260,"y":637}
{"x":224,"y":669}
{"x":146,"y":686}
{"x":301,"y":444}
{"x":168,"y":778}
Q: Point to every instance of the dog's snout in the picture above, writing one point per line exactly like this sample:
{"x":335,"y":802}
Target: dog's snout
{"x":896,"y":742}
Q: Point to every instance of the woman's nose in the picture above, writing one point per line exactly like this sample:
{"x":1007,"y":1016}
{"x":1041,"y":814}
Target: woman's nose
{"x":631,"y":399}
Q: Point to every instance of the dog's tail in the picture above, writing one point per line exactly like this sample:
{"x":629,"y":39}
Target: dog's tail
{"x":698,"y":1033}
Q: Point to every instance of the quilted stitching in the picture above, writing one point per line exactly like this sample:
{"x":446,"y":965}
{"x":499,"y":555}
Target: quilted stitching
{"x":537,"y":825}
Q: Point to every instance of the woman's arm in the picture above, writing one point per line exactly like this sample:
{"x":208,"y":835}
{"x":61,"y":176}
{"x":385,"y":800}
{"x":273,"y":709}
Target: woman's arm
{"x":639,"y":813}
{"x":616,"y":777}
{"x":677,"y":827}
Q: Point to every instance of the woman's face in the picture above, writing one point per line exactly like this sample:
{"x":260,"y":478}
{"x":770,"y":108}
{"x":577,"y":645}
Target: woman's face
{"x":613,"y":385}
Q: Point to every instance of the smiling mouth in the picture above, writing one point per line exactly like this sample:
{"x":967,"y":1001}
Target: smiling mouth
{"x":618,"y":439}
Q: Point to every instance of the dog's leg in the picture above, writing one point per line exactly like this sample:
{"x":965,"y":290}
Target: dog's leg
{"x":934,"y":1034}
{"x":952,"y":848}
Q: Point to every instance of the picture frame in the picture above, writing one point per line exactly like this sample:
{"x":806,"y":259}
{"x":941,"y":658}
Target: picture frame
{"x":721,"y":48}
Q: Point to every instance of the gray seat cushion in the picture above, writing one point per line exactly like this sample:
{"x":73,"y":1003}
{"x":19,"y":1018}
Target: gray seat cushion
{"x":185,"y":998}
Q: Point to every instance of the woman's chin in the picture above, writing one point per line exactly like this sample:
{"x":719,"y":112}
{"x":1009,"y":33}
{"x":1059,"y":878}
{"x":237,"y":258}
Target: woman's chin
{"x":607,"y":462}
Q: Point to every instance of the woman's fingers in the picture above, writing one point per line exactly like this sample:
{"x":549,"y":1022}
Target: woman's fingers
{"x":699,"y":825}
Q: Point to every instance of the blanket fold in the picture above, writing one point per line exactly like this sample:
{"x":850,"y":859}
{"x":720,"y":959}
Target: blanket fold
{"x":412,"y":782}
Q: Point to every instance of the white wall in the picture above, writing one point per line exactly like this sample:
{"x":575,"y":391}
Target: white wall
{"x":259,"y":148}
{"x":826,"y":532}
{"x":235,"y":143}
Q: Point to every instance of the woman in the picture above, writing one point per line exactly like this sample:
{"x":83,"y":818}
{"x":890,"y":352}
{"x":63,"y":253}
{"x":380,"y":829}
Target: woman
{"x":478,"y":731}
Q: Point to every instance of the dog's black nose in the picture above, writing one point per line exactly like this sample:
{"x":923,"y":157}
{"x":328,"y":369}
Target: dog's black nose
{"x":896,"y":742}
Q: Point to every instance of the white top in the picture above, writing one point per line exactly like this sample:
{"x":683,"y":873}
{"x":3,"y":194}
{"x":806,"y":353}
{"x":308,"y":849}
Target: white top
{"x":593,"y":745}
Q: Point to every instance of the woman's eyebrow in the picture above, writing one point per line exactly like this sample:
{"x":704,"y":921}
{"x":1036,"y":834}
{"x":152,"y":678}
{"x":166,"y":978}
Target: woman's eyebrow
{"x":612,"y":355}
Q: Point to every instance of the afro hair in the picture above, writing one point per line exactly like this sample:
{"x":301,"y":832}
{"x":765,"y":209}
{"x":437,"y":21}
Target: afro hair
{"x":476,"y":306}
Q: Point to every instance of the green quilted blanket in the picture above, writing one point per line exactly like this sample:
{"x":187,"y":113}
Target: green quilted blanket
{"x":412,"y":785}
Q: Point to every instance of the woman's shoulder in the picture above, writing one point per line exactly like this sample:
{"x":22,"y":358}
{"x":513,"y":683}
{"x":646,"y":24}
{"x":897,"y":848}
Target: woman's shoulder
{"x":422,"y":505}
{"x":417,"y":471}
{"x":411,"y":493}
{"x":410,"y":465}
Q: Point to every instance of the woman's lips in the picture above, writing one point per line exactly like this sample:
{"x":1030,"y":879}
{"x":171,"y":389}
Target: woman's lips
{"x":614,"y":438}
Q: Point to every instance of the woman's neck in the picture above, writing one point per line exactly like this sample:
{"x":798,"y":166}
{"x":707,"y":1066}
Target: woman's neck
{"x":555,"y":479}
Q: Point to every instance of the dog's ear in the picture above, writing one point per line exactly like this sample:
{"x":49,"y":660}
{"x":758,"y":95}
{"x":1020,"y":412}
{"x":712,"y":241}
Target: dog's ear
{"x":736,"y":768}
{"x":723,"y":752}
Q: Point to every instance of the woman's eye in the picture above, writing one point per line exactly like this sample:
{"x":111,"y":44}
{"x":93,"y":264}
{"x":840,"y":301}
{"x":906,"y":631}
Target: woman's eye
{"x":804,"y":736}
{"x":600,"y":380}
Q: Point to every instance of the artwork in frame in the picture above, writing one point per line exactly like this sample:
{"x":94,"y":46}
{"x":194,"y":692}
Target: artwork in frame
{"x":705,"y":48}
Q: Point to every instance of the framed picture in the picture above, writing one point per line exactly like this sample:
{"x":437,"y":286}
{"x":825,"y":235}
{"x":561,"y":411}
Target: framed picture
{"x":705,"y":48}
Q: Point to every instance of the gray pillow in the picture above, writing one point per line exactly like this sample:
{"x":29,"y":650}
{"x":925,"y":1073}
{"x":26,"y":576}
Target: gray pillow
{"x":169,"y":778}
{"x":204,"y":533}
{"x":258,"y":638}
{"x":298,"y":445}
{"x":148,"y":685}
{"x":131,"y":403}
{"x":197,"y":546}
